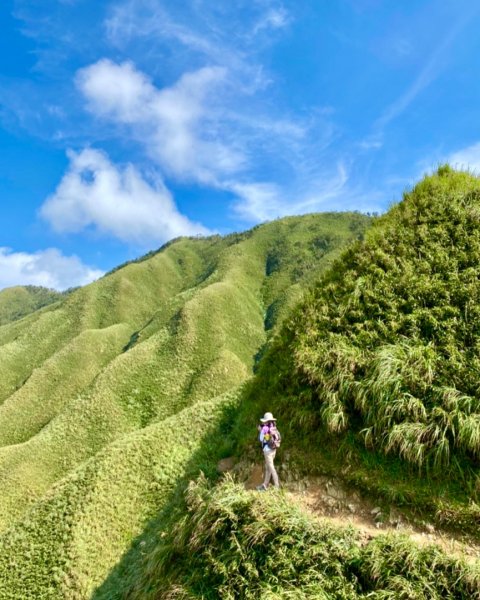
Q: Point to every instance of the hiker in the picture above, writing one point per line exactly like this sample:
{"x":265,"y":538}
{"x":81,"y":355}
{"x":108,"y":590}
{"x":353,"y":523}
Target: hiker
{"x":270,"y":439}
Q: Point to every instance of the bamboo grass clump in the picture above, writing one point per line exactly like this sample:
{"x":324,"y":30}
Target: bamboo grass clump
{"x":388,"y":341}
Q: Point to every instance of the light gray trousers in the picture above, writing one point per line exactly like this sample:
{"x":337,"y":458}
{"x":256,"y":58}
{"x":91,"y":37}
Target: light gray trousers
{"x":270,"y":472}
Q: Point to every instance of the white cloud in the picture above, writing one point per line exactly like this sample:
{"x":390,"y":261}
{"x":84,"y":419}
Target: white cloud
{"x":120,"y":202}
{"x":258,"y":201}
{"x":118,"y":91}
{"x":190,"y":137}
{"x":177,"y":124}
{"x":48,"y":268}
{"x":274,"y":18}
{"x":210,"y":123}
{"x":264,"y":201}
{"x":467,"y":158}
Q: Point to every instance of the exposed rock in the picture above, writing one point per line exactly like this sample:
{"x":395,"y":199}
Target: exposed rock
{"x":226,"y":464}
{"x":375,"y":511}
{"x":255,"y":479}
{"x":336,"y":492}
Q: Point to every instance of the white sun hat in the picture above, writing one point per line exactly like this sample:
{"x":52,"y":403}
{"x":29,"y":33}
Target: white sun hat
{"x":267,"y":417}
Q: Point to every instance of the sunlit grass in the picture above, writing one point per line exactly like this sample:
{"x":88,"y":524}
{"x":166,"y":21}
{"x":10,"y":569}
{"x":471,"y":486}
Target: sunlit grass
{"x":236,"y":544}
{"x":100,"y":377}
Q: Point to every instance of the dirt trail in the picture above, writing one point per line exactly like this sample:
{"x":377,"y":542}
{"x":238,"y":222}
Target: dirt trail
{"x":329,"y":499}
{"x":348,"y":508}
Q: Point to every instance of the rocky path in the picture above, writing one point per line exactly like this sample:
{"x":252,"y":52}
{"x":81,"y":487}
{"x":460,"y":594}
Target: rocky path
{"x":329,"y":499}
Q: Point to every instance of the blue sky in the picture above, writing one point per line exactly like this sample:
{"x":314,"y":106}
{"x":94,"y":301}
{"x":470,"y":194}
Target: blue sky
{"x":126,"y":123}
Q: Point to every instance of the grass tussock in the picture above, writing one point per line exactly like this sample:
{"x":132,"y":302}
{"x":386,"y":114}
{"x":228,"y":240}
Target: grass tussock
{"x":234,"y":544}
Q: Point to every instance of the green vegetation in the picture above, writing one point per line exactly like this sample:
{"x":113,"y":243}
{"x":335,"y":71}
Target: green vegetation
{"x":235,"y":544}
{"x":387,"y":343}
{"x":91,"y":389}
{"x":17,"y":302}
{"x":66,"y":544}
{"x":113,"y":399}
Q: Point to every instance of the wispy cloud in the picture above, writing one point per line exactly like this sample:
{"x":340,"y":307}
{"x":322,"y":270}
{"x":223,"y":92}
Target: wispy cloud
{"x":214,"y":124}
{"x":48,"y":268}
{"x":274,"y":18}
{"x":264,"y":201}
{"x":200,"y":34}
{"x":428,"y":73}
{"x":466,"y":158}
{"x":193,"y":137}
{"x":117,"y":202}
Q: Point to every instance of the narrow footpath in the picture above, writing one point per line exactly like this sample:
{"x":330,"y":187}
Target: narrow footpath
{"x":328,"y":499}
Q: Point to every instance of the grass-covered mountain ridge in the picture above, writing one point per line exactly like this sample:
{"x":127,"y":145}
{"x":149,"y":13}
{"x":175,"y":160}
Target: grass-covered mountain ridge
{"x":373,"y":377}
{"x":362,"y":339}
{"x":19,"y":301}
{"x":92,"y":386}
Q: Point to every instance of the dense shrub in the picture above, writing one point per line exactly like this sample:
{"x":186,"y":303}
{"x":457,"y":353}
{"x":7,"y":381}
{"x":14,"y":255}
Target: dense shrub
{"x":388,"y":342}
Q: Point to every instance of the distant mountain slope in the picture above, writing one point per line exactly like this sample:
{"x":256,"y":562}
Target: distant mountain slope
{"x":17,"y":302}
{"x":124,"y":356}
{"x":74,"y":536}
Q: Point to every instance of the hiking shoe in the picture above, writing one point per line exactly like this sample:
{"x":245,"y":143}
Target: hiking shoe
{"x":261,"y":488}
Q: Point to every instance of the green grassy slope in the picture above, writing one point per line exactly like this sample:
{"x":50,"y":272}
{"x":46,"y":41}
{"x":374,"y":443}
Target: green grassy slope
{"x":17,"y":302}
{"x":112,"y":364}
{"x":383,"y":353}
{"x":231,"y":543}
{"x":67,"y":543}
{"x":374,"y":379}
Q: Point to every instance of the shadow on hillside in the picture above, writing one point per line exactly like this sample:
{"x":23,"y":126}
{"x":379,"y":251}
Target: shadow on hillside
{"x":215,"y":444}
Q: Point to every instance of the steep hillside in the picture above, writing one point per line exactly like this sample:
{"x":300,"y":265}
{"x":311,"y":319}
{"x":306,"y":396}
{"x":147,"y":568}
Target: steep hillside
{"x":383,"y":353}
{"x":389,"y":339}
{"x":74,"y":536}
{"x":374,"y":379}
{"x":96,"y":428}
{"x":17,"y":302}
{"x":231,"y":543}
